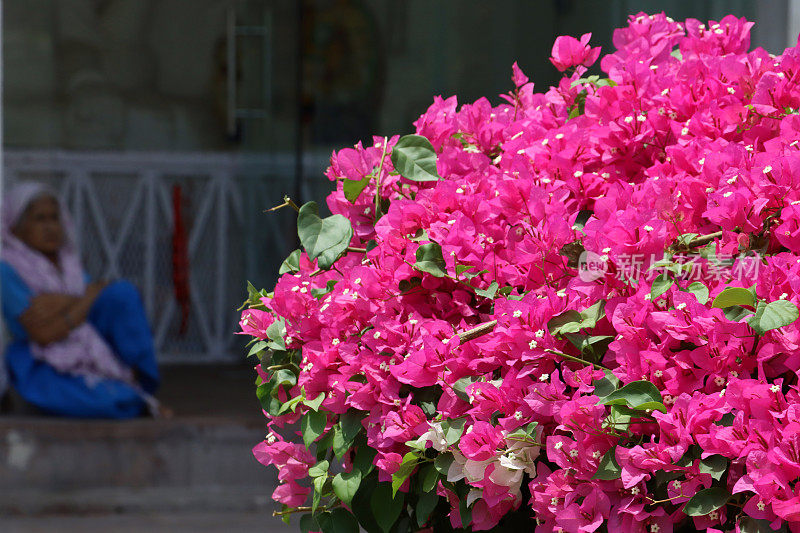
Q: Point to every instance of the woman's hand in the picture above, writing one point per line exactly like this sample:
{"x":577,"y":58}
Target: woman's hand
{"x":45,"y":307}
{"x":50,"y":317}
{"x":94,"y":289}
{"x":43,"y":320}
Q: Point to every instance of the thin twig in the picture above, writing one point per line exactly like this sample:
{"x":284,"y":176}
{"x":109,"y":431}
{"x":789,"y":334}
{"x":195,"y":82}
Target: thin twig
{"x":378,"y":180}
{"x":477,"y":331}
{"x":576,"y":359}
{"x":294,"y":510}
{"x":287,"y":202}
{"x":703,"y":239}
{"x":357,"y":250}
{"x":275,"y":368}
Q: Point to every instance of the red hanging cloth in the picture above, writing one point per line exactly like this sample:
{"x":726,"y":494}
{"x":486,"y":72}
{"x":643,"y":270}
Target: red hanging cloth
{"x":180,"y":258}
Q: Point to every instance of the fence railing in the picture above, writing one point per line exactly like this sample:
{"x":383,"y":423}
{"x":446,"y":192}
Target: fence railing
{"x":121,"y":204}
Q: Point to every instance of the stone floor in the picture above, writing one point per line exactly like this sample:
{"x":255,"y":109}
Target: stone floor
{"x":194,"y":472}
{"x":149,"y":523}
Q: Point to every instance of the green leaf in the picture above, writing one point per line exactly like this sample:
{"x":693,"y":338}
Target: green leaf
{"x":319,"y":470}
{"x":606,"y":385}
{"x":566,"y":322}
{"x":319,"y":487}
{"x":276,"y":332}
{"x":407,"y":466}
{"x":425,"y":505}
{"x":316,"y":402}
{"x":430,"y":260}
{"x":676,"y":53}
{"x":364,"y":458}
{"x":325,"y":444}
{"x":386,"y":506}
{"x":748,"y":524}
{"x":490,"y":292}
{"x":252,"y":293}
{"x":471,"y":275}
{"x":592,"y":315}
{"x":414,"y":158}
{"x":283,"y":377}
{"x":571,"y":321}
{"x":588,"y":79}
{"x":323,"y":239}
{"x":709,"y":251}
{"x":257,"y":347}
{"x":651,"y":406}
{"x":340,"y":520}
{"x":735,"y":313}
{"x":460,"y":388}
{"x":583,"y":217}
{"x":453,"y":429}
{"x":406,"y":285}
{"x":430,"y":478}
{"x":442,"y":462}
{"x":706,"y":500}
{"x":589,"y":343}
{"x":428,"y":407}
{"x":620,"y":416}
{"x":291,"y":404}
{"x":716,"y":465}
{"x":660,"y":285}
{"x":319,"y":292}
{"x":774,"y":315}
{"x":291,"y":263}
{"x":351,"y":423}
{"x":267,"y":400}
{"x":353,"y":188}
{"x":733,"y":296}
{"x":308,"y":523}
{"x":312,"y":425}
{"x":579,"y":106}
{"x":345,"y":485}
{"x":608,"y":468}
{"x":340,"y":445}
{"x":465,"y":512}
{"x":636,"y":395}
{"x":700,"y":292}
{"x":460,"y":269}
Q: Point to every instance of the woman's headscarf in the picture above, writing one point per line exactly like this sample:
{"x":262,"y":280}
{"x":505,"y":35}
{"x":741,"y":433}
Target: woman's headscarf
{"x":83,"y":352}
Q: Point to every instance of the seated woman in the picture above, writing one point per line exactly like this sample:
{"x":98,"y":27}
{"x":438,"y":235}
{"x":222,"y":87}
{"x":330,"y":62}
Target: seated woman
{"x":78,"y":349}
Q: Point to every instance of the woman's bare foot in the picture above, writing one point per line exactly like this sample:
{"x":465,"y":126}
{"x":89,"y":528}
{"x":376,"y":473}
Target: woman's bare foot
{"x":165,"y":412}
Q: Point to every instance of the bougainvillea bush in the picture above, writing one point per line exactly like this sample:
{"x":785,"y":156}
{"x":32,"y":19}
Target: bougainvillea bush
{"x":572,"y":311}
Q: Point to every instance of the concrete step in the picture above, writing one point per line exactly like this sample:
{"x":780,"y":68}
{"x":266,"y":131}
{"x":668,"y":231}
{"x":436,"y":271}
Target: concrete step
{"x":173,"y":522}
{"x":53,"y":465}
{"x":197,"y":461}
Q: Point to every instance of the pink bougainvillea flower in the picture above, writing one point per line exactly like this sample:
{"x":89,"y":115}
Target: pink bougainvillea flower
{"x":570,"y":52}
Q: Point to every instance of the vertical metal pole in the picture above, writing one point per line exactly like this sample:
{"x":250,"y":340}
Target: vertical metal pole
{"x":298,"y":147}
{"x":231,"y":71}
{"x":792,"y":23}
{"x":221,"y":313}
{"x":78,"y":178}
{"x":2,"y":163}
{"x":3,"y":377}
{"x":150,"y":213}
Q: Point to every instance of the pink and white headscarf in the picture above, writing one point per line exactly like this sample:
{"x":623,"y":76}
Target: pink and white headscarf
{"x":83,"y":352}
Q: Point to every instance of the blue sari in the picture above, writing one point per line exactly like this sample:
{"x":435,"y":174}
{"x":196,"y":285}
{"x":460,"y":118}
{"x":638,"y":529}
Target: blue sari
{"x":118,"y":316}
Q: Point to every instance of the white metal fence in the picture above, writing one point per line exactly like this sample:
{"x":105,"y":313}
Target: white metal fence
{"x":121,"y":204}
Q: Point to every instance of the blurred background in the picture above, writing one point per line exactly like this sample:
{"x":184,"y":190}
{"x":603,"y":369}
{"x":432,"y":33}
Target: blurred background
{"x":144,"y":112}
